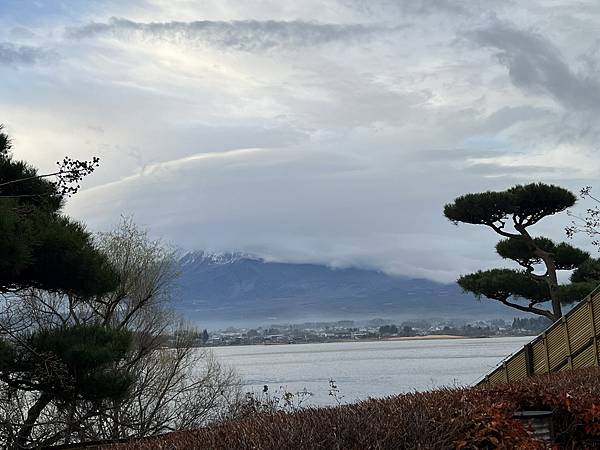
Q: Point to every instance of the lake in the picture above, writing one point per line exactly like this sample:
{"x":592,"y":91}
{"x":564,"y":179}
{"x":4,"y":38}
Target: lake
{"x":367,"y":369}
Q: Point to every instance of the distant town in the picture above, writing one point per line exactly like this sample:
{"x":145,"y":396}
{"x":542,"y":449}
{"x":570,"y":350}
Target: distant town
{"x":375,"y":329}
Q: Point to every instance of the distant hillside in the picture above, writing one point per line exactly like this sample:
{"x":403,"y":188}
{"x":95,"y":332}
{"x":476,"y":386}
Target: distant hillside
{"x":240,"y":289}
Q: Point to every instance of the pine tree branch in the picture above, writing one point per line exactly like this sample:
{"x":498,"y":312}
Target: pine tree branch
{"x":501,"y":232}
{"x":39,"y":177}
{"x":541,"y":312}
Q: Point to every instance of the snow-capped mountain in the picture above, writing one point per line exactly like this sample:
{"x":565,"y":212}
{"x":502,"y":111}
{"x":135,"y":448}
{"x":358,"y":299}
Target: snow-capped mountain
{"x":235,"y":288}
{"x":191,"y":258}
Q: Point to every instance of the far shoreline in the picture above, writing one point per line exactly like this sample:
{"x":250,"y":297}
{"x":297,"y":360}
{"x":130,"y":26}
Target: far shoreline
{"x":428,"y":337}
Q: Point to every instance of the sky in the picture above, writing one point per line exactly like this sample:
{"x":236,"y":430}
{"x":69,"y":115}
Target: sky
{"x":329,"y":131}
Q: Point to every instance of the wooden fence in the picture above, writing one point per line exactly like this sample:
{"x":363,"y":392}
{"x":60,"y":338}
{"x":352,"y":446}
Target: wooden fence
{"x":569,"y":343}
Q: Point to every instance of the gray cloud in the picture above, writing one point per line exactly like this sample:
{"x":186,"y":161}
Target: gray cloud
{"x":246,"y":35}
{"x":522,"y":171}
{"x":407,"y":6}
{"x":21,"y":33}
{"x":511,"y":115}
{"x":20,"y":55}
{"x":536,"y":65}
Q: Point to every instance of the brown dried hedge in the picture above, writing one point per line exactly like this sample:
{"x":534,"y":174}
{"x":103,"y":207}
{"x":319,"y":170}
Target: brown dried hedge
{"x":469,"y":418}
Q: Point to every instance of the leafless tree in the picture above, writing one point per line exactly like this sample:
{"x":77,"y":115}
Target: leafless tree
{"x":587,"y":222}
{"x":176,"y":385}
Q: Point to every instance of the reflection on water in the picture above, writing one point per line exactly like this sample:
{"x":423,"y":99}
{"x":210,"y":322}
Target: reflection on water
{"x":368,"y":369}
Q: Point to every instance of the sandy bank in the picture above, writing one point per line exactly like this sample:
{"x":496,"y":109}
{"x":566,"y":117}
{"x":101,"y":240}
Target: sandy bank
{"x":424,"y":338}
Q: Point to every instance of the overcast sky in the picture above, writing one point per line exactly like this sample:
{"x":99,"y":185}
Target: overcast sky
{"x":315,"y":130}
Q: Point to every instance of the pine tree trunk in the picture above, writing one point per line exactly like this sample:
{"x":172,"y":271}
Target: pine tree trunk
{"x":32,"y":416}
{"x":552,"y":282}
{"x":550,"y":278}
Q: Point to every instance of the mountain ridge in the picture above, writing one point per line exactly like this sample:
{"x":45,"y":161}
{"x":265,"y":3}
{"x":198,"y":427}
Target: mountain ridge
{"x":234,"y":288}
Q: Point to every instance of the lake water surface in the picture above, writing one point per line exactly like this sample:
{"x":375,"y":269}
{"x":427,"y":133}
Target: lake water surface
{"x":368,"y":369}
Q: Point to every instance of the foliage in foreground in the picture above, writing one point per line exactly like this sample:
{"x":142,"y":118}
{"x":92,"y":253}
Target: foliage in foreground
{"x":45,"y":253}
{"x":473,"y":418}
{"x":40,"y":247}
{"x":84,"y":321}
{"x":112,"y":376}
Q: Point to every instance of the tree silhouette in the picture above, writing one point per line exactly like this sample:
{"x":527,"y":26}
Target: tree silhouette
{"x":510,"y":214}
{"x":44,"y":251}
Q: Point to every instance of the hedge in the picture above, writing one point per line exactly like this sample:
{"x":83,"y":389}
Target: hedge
{"x":458,"y":418}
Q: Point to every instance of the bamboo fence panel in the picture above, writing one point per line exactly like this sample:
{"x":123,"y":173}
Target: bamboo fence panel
{"x":569,"y":343}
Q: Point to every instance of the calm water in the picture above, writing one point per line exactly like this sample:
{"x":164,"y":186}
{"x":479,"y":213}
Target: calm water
{"x":368,"y":369}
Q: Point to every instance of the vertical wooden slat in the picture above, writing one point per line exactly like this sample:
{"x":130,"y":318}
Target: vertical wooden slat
{"x":568,"y":338}
{"x":594,"y":332}
{"x":547,"y":353}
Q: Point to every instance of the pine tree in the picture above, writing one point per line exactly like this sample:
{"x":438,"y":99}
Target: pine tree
{"x":510,"y":214}
{"x":42,"y":250}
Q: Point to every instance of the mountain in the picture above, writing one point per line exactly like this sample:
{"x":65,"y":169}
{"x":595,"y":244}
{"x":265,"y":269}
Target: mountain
{"x":238,"y":289}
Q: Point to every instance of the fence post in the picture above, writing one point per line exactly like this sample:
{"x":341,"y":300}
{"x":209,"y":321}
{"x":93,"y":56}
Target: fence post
{"x":528,"y":359}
